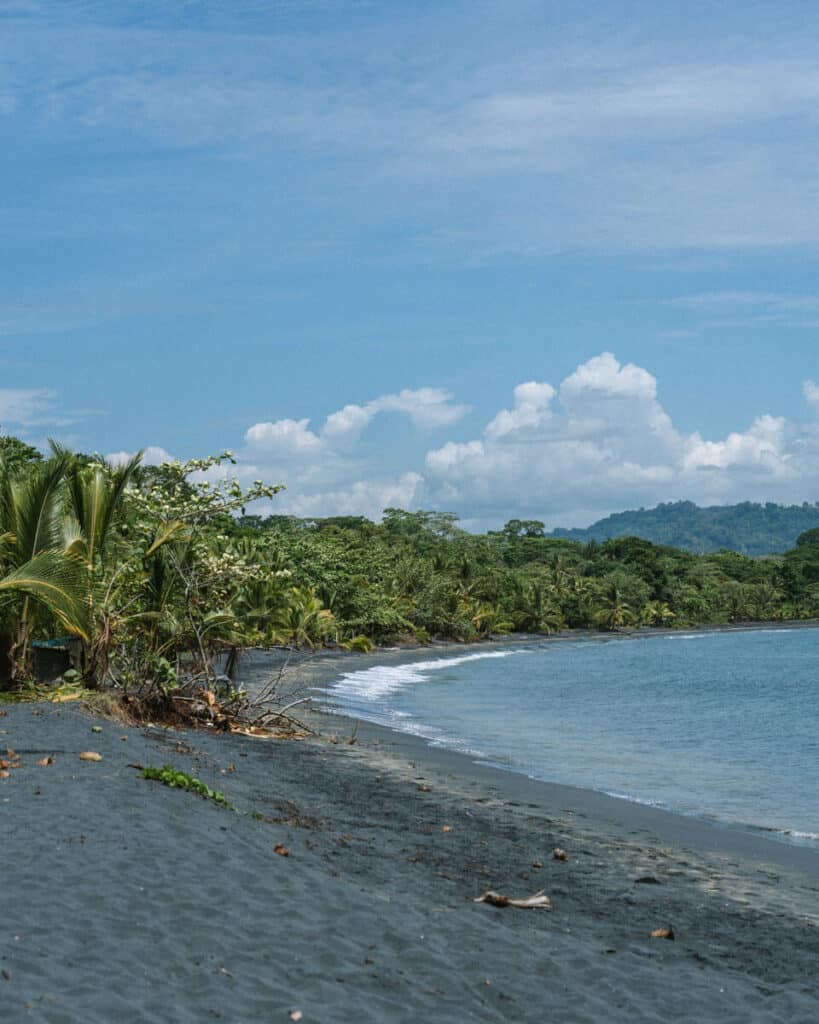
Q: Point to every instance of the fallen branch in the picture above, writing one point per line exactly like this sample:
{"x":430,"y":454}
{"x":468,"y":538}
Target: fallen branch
{"x":537,"y":901}
{"x":283,"y":712}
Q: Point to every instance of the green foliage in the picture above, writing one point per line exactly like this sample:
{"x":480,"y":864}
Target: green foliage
{"x":16,"y":455}
{"x":176,"y":779}
{"x":748,"y":528}
{"x":159,"y":569}
{"x":360,"y":643}
{"x":59,"y":582}
{"x":418,"y":575}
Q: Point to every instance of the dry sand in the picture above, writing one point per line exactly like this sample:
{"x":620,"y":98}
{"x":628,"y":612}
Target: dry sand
{"x":122,"y":900}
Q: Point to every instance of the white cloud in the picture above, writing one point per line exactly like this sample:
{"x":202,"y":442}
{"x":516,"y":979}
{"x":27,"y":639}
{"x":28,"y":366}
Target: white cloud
{"x":363,"y":498}
{"x":325,"y":472}
{"x":608,"y":444}
{"x":604,"y":375}
{"x":152,"y":455}
{"x":288,"y":437}
{"x":599,"y":442}
{"x":425,"y":407}
{"x":27,"y":407}
{"x":347,"y":422}
{"x":763,"y":446}
{"x":766,"y":300}
{"x":530,"y":409}
{"x":811,"y":393}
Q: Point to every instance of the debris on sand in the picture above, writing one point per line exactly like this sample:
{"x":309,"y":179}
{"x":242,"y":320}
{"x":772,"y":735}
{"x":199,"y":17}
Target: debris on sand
{"x":537,"y":901}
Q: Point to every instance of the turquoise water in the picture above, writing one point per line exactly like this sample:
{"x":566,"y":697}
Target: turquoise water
{"x":717,"y":725}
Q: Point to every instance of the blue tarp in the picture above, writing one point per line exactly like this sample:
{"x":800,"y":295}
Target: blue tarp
{"x":59,"y":643}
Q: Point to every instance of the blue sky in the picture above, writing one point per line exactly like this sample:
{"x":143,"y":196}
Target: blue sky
{"x":336,"y":237}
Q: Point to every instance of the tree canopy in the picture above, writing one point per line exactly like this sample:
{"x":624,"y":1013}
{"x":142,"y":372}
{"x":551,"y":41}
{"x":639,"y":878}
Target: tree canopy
{"x":752,"y":529}
{"x":154,"y":567}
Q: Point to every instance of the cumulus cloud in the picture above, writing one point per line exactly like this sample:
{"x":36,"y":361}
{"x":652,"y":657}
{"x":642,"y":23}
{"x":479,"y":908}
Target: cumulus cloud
{"x":362,"y":497}
{"x":601,"y":442}
{"x":425,"y":407}
{"x":347,"y":422}
{"x":153,"y":455}
{"x":530,"y":409}
{"x":325,"y":472}
{"x":764,"y":445}
{"x":603,"y":375}
{"x":567,"y":453}
{"x":285,"y":436}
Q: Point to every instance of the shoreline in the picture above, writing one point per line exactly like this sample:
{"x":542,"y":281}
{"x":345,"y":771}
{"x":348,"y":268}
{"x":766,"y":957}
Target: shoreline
{"x":319,"y":669}
{"x":625,"y":632}
{"x":371,"y":915}
{"x":667,"y":826}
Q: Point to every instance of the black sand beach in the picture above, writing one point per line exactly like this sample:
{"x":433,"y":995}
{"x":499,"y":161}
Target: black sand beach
{"x":123,"y":900}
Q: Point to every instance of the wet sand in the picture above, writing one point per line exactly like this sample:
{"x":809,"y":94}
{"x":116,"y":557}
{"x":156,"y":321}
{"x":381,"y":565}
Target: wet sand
{"x":123,"y":900}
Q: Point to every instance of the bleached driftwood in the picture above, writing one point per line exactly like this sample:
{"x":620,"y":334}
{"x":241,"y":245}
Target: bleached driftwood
{"x":537,"y":901}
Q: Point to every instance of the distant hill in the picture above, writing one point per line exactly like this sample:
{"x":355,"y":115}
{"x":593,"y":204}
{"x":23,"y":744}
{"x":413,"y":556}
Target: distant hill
{"x":748,"y":528}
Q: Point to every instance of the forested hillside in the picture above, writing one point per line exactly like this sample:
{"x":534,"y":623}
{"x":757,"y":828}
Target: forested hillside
{"x":749,"y":528}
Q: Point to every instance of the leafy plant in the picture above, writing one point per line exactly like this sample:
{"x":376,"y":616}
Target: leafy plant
{"x":360,"y":643}
{"x":176,"y":779}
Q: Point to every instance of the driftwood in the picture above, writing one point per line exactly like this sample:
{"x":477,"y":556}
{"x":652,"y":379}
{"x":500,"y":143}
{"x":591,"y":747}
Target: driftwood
{"x":268,"y":716}
{"x":202,"y":699}
{"x":537,"y":901}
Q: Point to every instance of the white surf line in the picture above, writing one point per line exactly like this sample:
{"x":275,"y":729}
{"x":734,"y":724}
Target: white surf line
{"x":380,"y":681}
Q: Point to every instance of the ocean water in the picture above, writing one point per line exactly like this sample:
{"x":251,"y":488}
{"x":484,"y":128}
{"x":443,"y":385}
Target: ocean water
{"x":720,"y":725}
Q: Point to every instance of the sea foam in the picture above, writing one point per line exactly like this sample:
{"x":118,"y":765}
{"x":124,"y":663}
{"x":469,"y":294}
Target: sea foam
{"x":374,"y":684}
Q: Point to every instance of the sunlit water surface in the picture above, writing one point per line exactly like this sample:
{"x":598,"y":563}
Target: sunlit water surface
{"x":717,"y":725}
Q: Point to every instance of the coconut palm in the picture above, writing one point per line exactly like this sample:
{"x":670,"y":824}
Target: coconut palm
{"x":488,"y":619}
{"x":95,"y":497}
{"x":303,"y":620}
{"x":258,"y":605}
{"x":611,"y":610}
{"x":36,"y":560}
{"x":96,"y":492}
{"x":656,"y":613}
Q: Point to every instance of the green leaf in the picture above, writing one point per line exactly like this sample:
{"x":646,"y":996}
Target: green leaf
{"x":58,"y":581}
{"x":166,"y":533}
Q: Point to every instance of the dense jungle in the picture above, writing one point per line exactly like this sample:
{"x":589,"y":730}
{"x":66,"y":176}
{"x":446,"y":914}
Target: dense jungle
{"x":154,"y":568}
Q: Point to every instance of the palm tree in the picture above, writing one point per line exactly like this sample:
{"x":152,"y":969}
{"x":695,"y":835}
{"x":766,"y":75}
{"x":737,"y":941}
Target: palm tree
{"x":259,"y":603}
{"x":487,"y":619}
{"x":534,"y":610}
{"x":611,"y":610}
{"x":36,"y":558}
{"x":95,"y":496}
{"x":656,"y":613}
{"x":735,"y":597}
{"x":304,"y":620}
{"x":96,"y":492}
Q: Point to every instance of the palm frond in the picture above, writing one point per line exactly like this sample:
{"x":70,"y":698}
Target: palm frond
{"x":35,"y":510}
{"x":58,"y":581}
{"x":167,"y":532}
{"x":96,"y":492}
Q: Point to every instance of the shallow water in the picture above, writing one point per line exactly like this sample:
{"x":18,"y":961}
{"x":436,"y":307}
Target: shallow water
{"x":718,"y":725}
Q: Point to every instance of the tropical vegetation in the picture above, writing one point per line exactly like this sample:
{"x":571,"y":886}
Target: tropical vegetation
{"x":154,"y":570}
{"x":750,"y":528}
